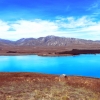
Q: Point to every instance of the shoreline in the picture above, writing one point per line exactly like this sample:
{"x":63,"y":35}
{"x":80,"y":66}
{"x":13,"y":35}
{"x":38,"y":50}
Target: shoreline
{"x":57,"y":75}
{"x":72,"y":52}
{"x":72,"y":79}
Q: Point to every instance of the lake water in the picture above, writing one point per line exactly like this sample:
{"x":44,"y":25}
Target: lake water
{"x":81,"y":65}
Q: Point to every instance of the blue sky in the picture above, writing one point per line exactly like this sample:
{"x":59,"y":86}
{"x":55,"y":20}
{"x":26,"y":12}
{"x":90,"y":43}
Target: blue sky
{"x":38,"y":18}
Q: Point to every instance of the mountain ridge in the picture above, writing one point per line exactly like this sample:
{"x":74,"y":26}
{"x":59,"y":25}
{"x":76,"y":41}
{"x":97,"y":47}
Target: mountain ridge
{"x":48,"y":41}
{"x":49,"y":46}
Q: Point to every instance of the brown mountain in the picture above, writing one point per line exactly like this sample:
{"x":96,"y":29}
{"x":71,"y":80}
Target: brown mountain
{"x":54,"y":41}
{"x":48,"y":41}
{"x":49,"y":45}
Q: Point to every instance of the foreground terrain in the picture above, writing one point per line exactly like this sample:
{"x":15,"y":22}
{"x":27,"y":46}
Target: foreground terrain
{"x":33,"y":86}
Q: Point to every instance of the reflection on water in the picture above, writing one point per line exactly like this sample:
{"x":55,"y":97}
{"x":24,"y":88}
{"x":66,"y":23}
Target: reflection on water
{"x":84,"y":65}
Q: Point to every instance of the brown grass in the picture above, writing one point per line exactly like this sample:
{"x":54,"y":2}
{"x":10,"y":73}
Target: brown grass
{"x":32,"y":86}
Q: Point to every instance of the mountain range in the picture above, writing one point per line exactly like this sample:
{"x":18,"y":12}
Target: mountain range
{"x":48,"y":41}
{"x":47,"y":44}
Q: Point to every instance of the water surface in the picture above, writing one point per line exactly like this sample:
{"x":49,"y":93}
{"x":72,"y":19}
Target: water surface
{"x":81,"y":65}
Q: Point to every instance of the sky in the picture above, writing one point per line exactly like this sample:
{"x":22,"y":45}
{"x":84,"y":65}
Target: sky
{"x":40,"y":18}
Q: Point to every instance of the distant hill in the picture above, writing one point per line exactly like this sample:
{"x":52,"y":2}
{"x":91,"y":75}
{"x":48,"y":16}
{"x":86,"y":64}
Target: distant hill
{"x":48,"y":41}
{"x":4,"y":42}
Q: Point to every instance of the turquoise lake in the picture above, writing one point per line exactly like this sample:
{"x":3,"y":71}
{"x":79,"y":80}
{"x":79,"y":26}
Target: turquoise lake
{"x":81,"y":65}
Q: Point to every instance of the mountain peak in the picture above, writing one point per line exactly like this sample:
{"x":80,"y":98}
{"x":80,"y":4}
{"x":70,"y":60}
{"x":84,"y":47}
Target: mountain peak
{"x":50,"y":40}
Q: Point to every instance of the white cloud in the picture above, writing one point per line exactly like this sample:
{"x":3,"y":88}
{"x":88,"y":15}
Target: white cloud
{"x":83,"y":27}
{"x":35,"y":26}
{"x":3,"y":26}
{"x":24,"y":29}
{"x":72,"y":22}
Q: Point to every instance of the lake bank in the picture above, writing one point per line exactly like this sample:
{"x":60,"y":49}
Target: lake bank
{"x":52,"y":52}
{"x":36,"y":86}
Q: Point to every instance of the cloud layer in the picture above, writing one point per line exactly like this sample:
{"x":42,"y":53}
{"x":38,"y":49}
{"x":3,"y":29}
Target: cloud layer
{"x":83,"y":27}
